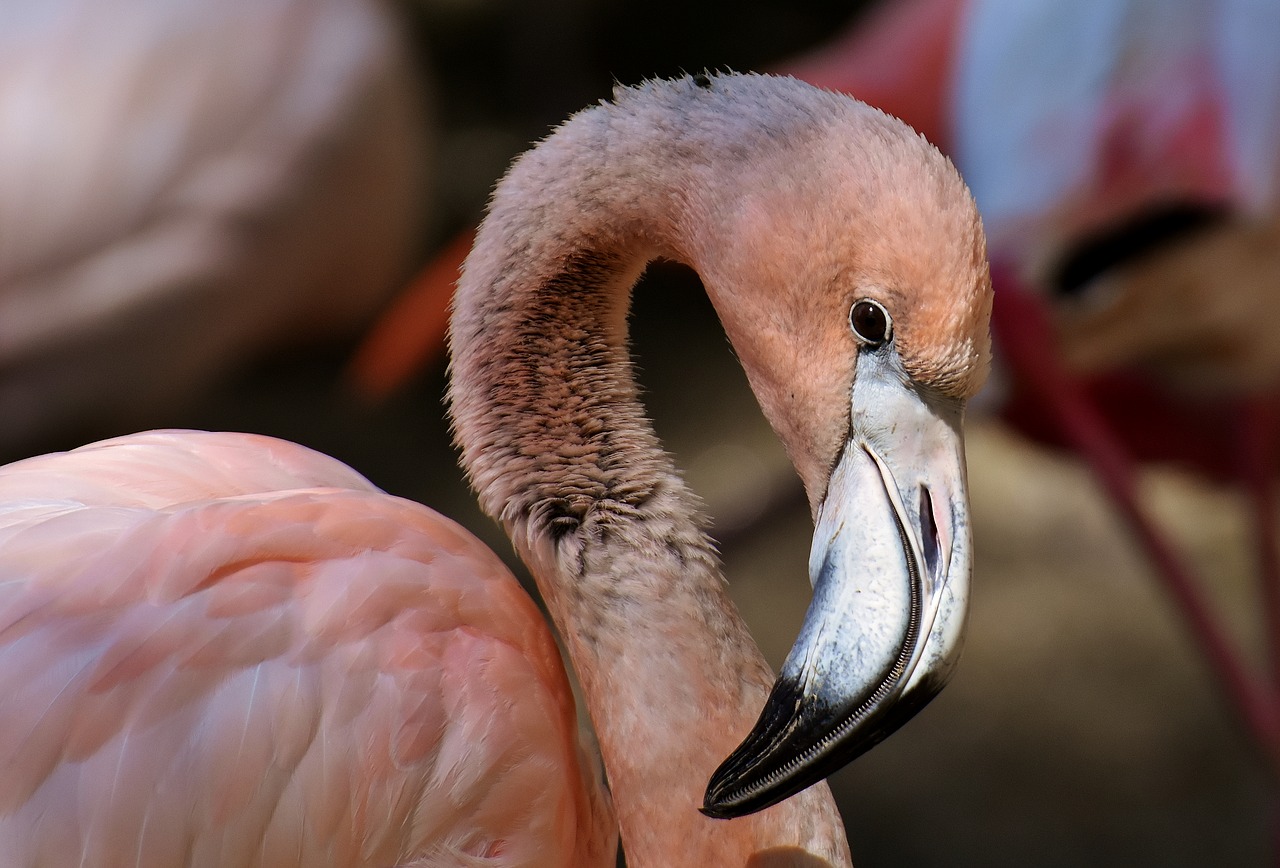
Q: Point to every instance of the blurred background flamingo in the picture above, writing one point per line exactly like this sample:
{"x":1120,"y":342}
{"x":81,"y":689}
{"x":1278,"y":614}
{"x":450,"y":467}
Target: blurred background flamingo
{"x":186,"y":184}
{"x":1081,"y":728}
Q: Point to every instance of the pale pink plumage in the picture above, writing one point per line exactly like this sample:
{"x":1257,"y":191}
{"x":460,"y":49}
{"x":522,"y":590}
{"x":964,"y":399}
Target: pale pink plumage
{"x":223,"y":649}
{"x":194,"y":181}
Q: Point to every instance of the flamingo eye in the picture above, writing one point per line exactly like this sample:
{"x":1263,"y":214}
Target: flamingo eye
{"x":870,"y":322}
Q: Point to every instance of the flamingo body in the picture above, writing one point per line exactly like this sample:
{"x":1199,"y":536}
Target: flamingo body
{"x":248,"y":655}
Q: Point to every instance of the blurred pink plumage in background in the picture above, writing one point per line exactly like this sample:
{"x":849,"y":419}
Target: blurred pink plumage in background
{"x":184,"y":183}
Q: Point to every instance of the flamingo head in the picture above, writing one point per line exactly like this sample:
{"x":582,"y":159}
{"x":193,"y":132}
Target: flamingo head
{"x":857,"y":296}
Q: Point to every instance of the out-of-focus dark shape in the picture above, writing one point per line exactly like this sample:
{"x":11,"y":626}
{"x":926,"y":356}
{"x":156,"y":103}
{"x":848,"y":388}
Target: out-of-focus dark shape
{"x":185,"y":182}
{"x":1204,"y":312}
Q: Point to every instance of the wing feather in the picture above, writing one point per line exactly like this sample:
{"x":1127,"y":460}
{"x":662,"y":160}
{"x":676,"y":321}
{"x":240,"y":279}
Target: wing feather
{"x":313,"y":675}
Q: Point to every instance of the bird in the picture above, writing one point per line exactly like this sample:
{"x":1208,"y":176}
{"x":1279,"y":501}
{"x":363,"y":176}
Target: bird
{"x":195,"y":181}
{"x":226,"y":649}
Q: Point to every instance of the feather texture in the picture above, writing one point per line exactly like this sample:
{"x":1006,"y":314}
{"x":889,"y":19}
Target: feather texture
{"x":248,"y":655}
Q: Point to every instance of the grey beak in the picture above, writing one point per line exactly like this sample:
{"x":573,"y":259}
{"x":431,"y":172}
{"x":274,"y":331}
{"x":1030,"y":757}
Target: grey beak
{"x":890,"y":566}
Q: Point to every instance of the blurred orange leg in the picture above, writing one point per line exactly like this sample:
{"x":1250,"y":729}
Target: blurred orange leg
{"x":410,"y":336}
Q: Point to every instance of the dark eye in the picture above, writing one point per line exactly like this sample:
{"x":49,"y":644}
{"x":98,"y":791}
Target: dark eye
{"x":870,"y":322}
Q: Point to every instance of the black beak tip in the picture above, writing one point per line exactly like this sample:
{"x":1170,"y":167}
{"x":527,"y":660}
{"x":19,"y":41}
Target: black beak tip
{"x":722,"y":802}
{"x":717,"y":812}
{"x":789,"y":728}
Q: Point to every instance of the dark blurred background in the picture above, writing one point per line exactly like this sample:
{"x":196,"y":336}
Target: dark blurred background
{"x":1081,"y":729}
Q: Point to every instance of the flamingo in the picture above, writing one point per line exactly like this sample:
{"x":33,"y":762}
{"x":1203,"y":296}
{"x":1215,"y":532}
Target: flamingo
{"x":196,"y":181}
{"x":227,"y":649}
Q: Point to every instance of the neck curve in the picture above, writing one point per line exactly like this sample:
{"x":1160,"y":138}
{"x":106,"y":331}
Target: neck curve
{"x":559,"y":449}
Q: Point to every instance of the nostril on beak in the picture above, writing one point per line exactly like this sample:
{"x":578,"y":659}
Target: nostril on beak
{"x":929,"y":538}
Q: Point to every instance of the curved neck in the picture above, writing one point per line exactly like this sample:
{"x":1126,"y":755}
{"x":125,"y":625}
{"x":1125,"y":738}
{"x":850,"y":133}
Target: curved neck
{"x":560,"y":451}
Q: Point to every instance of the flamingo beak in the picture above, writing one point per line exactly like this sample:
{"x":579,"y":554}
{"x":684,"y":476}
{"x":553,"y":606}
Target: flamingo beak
{"x":890,"y":566}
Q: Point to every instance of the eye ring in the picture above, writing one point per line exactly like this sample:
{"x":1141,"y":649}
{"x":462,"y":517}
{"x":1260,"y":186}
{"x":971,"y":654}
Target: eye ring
{"x":870,"y":322}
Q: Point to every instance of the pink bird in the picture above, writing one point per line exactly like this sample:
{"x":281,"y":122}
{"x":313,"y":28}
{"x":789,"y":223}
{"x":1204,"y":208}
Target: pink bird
{"x":194,"y":181}
{"x":221,"y":649}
